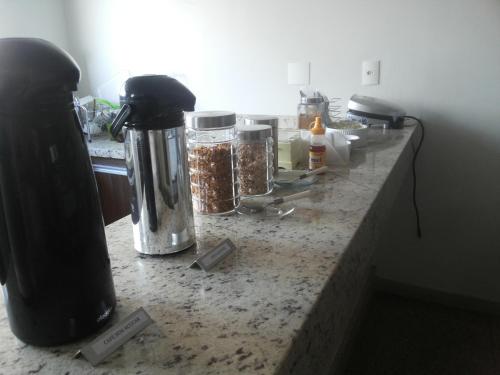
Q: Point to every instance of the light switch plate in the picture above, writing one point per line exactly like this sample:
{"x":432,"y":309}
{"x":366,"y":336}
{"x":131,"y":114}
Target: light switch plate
{"x":299,"y":73}
{"x":370,"y":72}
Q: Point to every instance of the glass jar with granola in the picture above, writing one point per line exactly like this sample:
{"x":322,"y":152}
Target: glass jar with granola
{"x":212,"y":156}
{"x":255,"y":159}
{"x":272,"y":121}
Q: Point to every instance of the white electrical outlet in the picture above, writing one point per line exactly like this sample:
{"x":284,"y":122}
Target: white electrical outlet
{"x":370,"y":73}
{"x":299,"y":73}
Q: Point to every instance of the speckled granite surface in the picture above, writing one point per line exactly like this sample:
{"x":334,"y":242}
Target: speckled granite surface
{"x":102,"y":146}
{"x":280,"y":304}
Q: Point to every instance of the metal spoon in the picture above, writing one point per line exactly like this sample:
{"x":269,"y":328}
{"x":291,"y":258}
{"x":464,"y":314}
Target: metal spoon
{"x":254,"y":207}
{"x":302,"y":176}
{"x":286,"y":213}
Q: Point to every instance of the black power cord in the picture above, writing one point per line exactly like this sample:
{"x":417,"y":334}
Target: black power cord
{"x":414,"y":162}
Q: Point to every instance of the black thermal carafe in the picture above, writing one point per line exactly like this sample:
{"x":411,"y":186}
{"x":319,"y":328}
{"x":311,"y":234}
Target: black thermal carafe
{"x":54,"y":263}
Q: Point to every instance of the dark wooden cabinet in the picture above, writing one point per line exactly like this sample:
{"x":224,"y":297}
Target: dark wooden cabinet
{"x":114,"y":188}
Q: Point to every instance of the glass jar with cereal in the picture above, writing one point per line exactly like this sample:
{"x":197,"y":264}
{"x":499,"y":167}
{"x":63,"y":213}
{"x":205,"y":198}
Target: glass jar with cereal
{"x":255,"y":159}
{"x":212,"y":156}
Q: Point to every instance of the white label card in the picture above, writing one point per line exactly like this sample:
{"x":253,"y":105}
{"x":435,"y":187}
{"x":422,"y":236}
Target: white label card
{"x":116,"y":336}
{"x":213,"y":256}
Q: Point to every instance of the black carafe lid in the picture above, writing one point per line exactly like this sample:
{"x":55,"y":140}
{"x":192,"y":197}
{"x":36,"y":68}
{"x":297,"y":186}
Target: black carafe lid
{"x":153,"y":102}
{"x":34,"y":69}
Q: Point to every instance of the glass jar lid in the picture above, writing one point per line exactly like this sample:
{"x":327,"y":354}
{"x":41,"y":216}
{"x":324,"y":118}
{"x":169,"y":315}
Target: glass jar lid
{"x":261,"y":119}
{"x":205,"y":120}
{"x":252,"y":133}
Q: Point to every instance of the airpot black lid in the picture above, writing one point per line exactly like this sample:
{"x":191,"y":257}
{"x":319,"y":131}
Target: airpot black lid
{"x":152,"y":95}
{"x":31,"y":67}
{"x":164,"y":91}
{"x":153,"y":102}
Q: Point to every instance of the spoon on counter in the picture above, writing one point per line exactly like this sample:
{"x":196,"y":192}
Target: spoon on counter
{"x":286,"y":213}
{"x":249,"y":207}
{"x":290,"y":181}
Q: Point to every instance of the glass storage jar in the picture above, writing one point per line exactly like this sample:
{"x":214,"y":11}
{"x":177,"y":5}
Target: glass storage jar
{"x":255,"y":159}
{"x":312,"y":105}
{"x":272,"y":121}
{"x":212,"y":157}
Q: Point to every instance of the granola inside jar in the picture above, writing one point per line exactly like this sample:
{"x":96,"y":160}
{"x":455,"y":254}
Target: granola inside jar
{"x":255,"y":159}
{"x":272,"y":121}
{"x":213,"y":162}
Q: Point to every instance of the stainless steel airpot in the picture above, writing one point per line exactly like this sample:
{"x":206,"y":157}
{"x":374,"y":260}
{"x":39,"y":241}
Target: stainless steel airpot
{"x":156,"y":158}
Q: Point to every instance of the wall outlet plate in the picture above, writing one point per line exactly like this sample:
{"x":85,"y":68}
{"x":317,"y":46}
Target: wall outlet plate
{"x":370,"y":72}
{"x":299,"y":73}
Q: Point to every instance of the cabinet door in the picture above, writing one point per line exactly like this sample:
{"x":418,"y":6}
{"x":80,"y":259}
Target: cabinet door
{"x":114,"y":188}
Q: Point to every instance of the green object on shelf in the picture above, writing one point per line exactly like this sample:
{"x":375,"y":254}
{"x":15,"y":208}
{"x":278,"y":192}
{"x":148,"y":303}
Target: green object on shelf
{"x":107,"y":103}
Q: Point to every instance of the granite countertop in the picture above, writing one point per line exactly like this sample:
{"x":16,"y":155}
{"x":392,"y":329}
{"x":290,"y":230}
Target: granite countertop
{"x":103,"y":146}
{"x":281,"y":304}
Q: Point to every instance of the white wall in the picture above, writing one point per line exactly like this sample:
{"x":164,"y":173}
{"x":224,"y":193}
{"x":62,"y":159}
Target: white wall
{"x":114,"y":39}
{"x":440,"y":60}
{"x":34,"y":18}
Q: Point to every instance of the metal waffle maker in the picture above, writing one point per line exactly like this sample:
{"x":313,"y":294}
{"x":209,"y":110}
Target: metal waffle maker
{"x":375,"y":112}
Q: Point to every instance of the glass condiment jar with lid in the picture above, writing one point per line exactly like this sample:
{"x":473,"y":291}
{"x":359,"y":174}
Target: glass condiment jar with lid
{"x":272,"y":121}
{"x":212,"y":156}
{"x":255,"y":159}
{"x":311,"y":106}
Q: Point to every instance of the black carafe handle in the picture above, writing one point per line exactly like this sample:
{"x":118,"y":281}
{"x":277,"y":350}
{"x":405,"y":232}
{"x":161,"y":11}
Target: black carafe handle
{"x":120,"y":119}
{"x":135,"y":210}
{"x":13,"y":239}
{"x":145,"y":158}
{"x":4,"y":245}
{"x":148,"y":182}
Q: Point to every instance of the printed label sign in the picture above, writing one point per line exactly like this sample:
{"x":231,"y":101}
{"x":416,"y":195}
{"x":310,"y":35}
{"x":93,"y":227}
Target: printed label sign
{"x":116,"y":336}
{"x":215,"y":255}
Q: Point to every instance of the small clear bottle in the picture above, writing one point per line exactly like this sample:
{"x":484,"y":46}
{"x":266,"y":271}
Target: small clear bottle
{"x":212,"y":156}
{"x":255,"y":159}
